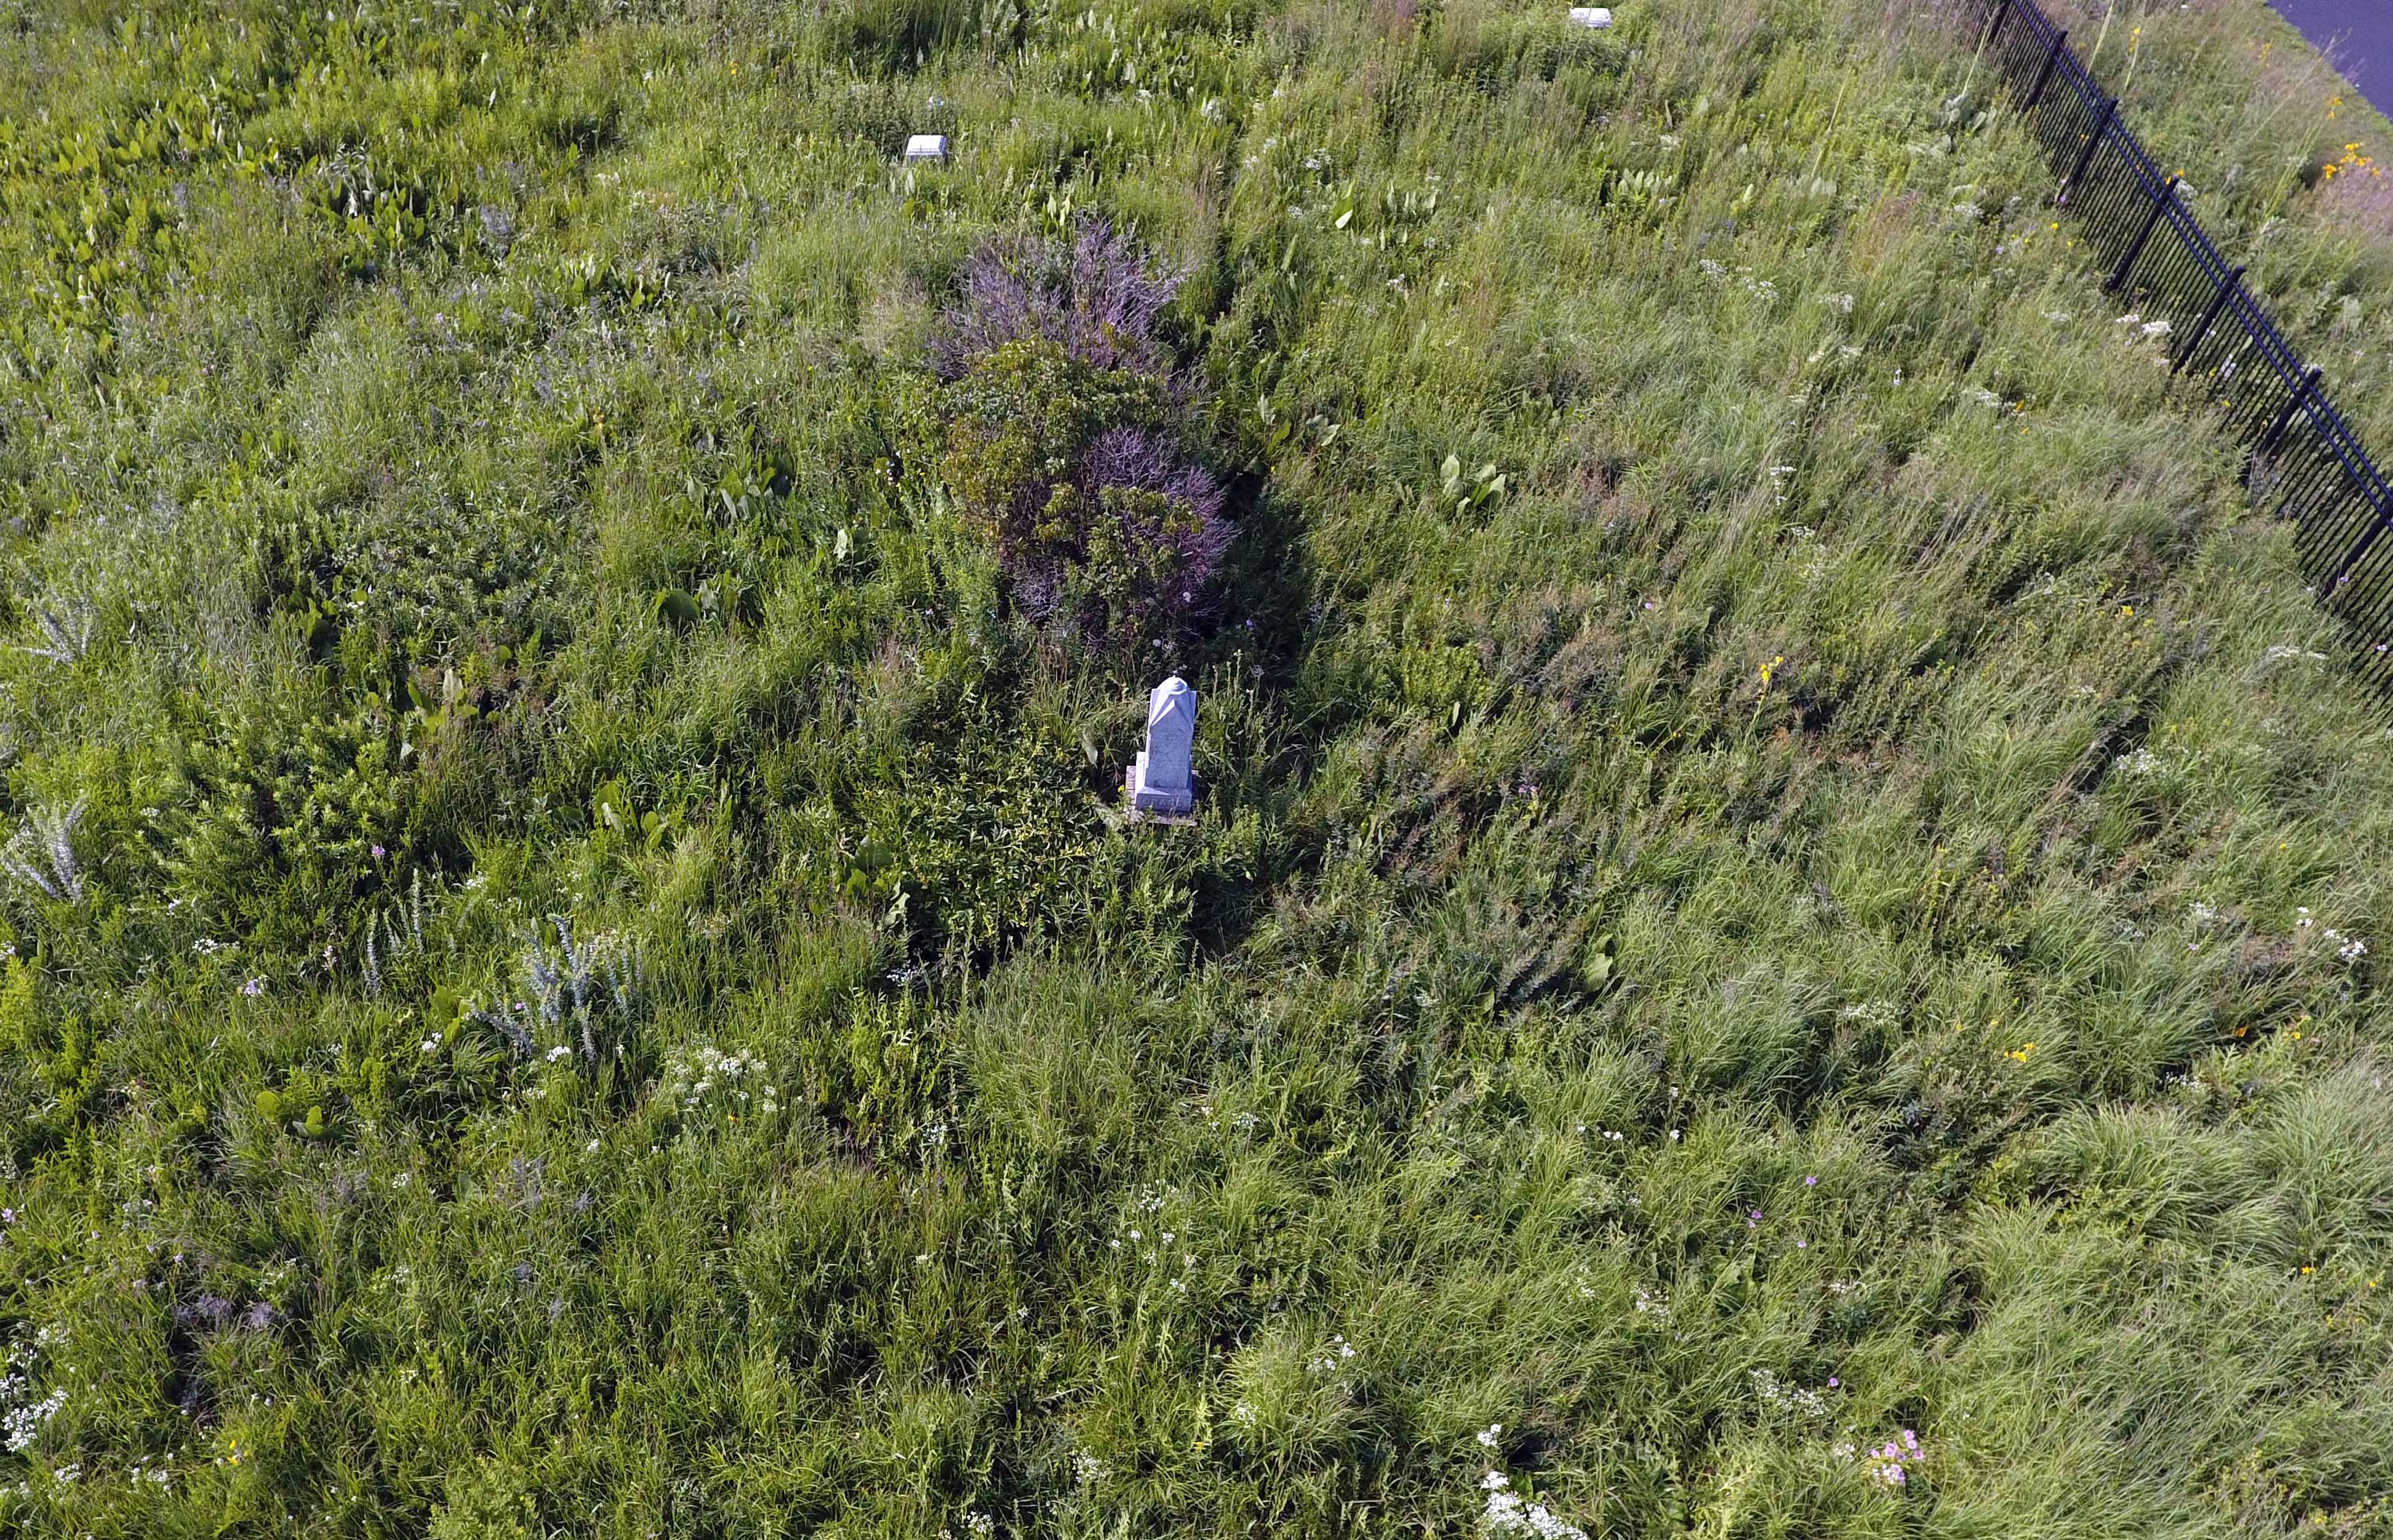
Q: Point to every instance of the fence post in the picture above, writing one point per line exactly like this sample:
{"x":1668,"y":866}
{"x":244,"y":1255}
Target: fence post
{"x":2267,"y":443}
{"x":2201,"y":329}
{"x":2359,"y":547}
{"x":2051,"y":58}
{"x":2093,"y":143}
{"x":2135,"y":247}
{"x":2002,"y":14}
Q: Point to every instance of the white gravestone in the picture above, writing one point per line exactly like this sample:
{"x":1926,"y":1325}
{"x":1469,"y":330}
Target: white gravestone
{"x":1161,"y":783}
{"x":926,"y":147}
{"x":1590,"y":15}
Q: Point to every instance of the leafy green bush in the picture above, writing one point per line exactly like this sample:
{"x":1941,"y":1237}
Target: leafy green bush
{"x":1107,"y":534}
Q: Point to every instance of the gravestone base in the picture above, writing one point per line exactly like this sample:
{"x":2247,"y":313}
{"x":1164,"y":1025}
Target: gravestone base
{"x":1146,"y":804}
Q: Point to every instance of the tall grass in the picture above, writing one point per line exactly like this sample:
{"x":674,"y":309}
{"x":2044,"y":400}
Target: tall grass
{"x":1781,"y":937}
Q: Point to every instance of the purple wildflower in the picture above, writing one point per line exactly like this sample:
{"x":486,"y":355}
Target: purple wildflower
{"x":1098,"y":298}
{"x":212,"y":1310}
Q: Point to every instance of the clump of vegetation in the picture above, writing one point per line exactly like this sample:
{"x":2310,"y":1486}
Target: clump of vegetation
{"x":1097,"y":296}
{"x":1105,"y":533}
{"x":1063,"y":442}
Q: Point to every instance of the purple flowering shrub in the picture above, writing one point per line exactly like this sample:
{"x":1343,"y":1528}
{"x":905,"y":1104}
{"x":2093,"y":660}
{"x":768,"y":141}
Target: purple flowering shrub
{"x":1097,"y":298}
{"x":1060,"y":444}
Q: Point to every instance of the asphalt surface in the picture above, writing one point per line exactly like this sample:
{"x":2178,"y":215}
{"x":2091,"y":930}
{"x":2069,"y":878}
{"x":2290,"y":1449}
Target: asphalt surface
{"x":2356,"y":34}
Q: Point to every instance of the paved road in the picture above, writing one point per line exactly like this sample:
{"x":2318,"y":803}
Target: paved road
{"x":2360,"y":33}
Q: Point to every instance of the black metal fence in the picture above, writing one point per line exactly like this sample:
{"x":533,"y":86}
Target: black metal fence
{"x":2305,"y":461}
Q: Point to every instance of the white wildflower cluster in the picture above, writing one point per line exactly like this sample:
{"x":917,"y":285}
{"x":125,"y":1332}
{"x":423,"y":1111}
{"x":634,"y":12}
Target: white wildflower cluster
{"x":2351,"y":948}
{"x":1144,"y":1235}
{"x":2139,"y":762}
{"x":2283,"y":652}
{"x":2143,"y":327}
{"x":1779,"y":1396}
{"x":1245,"y":1122}
{"x":704,"y":1076}
{"x":1879,"y":1015}
{"x":1509,"y":1513}
{"x":1841,"y":303}
{"x":1983,"y":396}
{"x":22,"y":1411}
{"x":1334,"y":1354}
{"x":1087,"y":1469}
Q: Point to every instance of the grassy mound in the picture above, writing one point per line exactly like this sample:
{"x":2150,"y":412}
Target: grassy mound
{"x":1780,"y":936}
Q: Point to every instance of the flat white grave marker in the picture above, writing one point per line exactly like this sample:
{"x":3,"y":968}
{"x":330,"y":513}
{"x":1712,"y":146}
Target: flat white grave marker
{"x":926,"y":147}
{"x":1590,"y":15}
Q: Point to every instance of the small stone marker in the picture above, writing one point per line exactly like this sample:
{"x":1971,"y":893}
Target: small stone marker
{"x":1590,"y":15}
{"x":1162,"y":784}
{"x":926,"y":147}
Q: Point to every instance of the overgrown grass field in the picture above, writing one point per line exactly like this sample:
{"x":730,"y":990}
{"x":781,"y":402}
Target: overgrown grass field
{"x":1780,"y":939}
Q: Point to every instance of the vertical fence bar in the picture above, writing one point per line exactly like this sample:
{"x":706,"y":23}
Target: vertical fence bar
{"x":2268,"y":444}
{"x":2093,"y":143}
{"x":2202,"y":328}
{"x":2044,"y":76}
{"x":2135,"y":247}
{"x":2359,"y":547}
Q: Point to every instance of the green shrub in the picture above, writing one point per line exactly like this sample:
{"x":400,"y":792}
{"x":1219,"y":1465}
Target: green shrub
{"x":1106,"y":535}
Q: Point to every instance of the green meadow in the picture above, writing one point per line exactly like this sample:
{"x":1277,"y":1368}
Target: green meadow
{"x":1782,"y":932}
